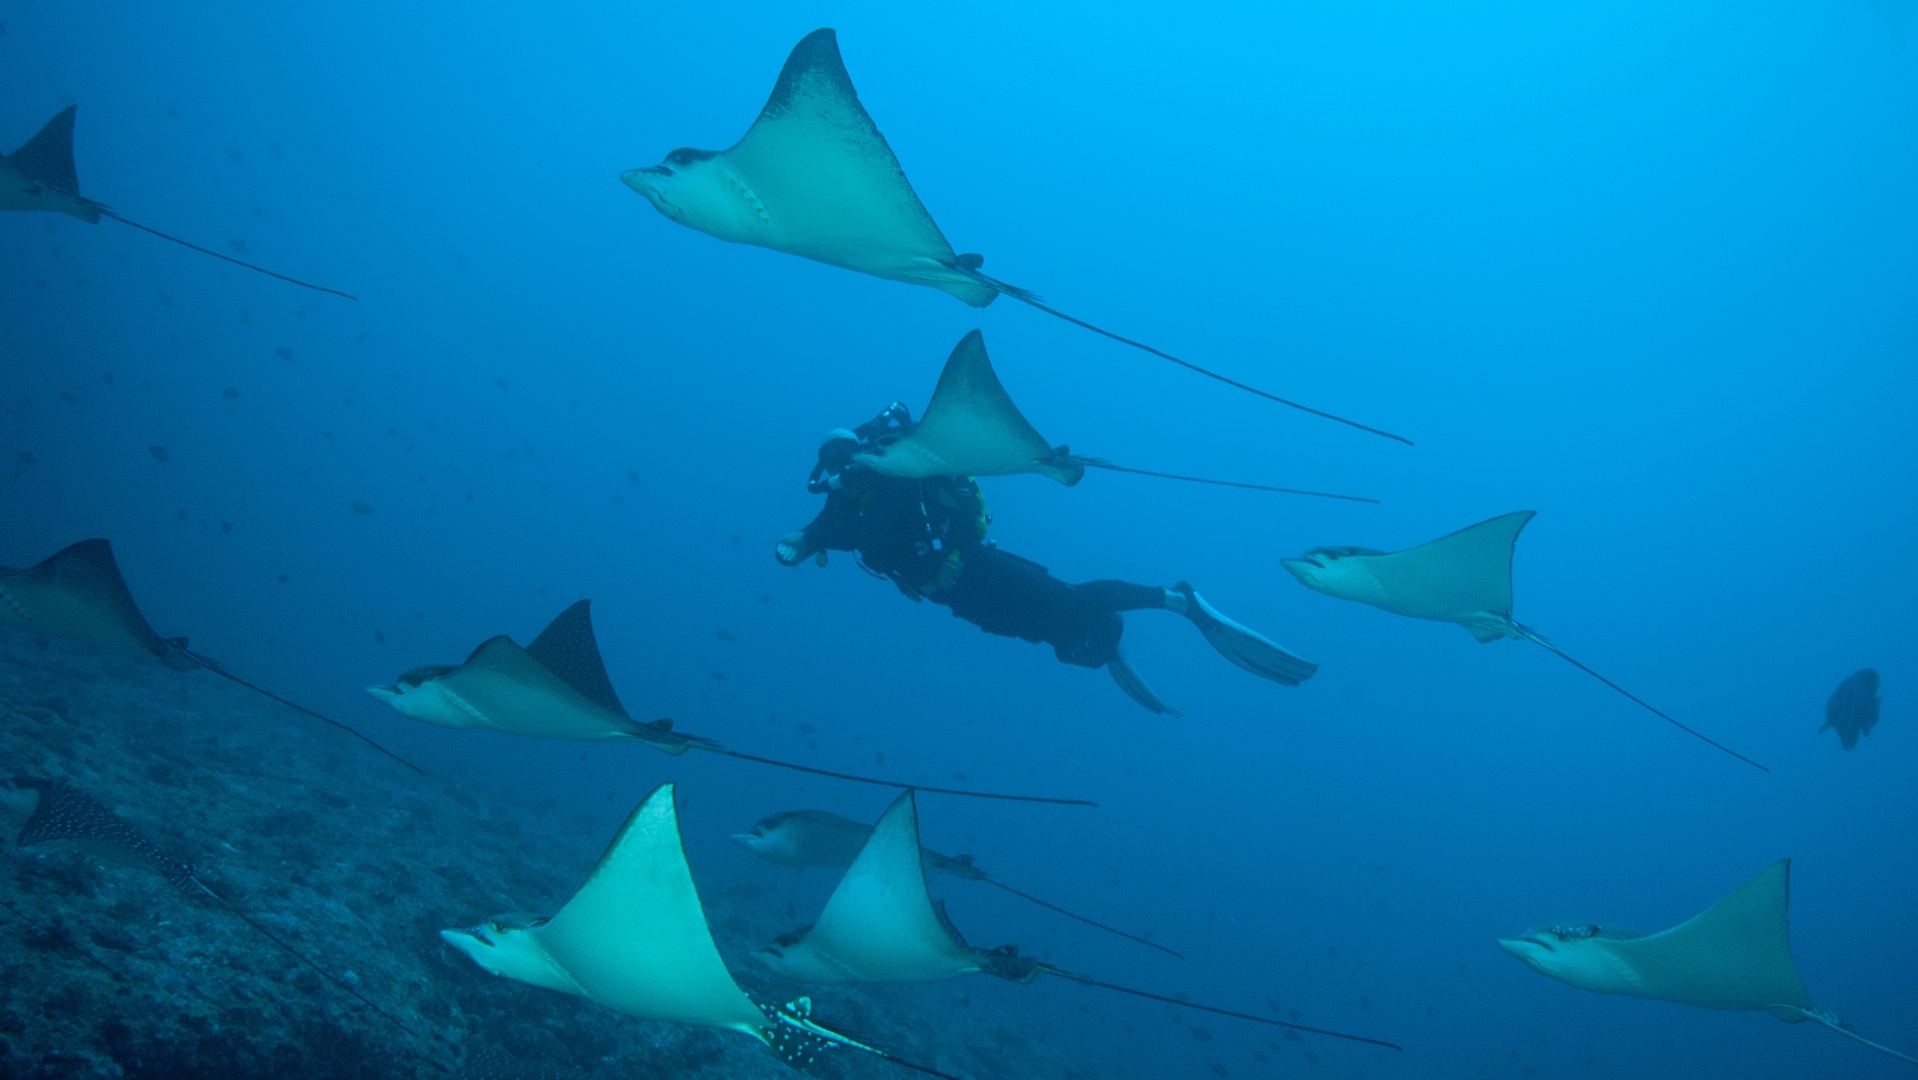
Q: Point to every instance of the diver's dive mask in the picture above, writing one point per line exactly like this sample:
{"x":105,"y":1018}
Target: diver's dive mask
{"x":840,"y":445}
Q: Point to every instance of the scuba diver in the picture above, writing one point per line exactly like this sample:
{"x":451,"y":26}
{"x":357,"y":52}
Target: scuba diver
{"x":928,"y":537}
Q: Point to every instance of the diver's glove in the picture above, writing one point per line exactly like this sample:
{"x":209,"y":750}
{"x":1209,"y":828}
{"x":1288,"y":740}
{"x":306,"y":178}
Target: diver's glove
{"x":792,"y":549}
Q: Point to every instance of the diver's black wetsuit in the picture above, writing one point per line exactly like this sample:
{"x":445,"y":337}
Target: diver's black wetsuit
{"x":928,"y":537}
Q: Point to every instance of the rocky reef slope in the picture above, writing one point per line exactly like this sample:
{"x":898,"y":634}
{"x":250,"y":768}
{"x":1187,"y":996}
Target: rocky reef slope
{"x":357,"y":862}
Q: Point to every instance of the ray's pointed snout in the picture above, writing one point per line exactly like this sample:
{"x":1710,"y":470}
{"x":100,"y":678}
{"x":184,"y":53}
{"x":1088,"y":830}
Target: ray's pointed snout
{"x":651,"y":182}
{"x":1530,"y":950}
{"x":470,"y":942}
{"x":746,"y":840}
{"x":1304,"y":568}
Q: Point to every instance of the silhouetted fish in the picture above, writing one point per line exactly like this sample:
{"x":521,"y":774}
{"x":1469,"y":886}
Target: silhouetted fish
{"x":1853,"y":708}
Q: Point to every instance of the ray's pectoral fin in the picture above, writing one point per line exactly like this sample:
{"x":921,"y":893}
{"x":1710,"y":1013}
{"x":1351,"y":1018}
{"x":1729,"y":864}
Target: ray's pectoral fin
{"x":812,"y":177}
{"x":40,"y":175}
{"x":971,"y":427}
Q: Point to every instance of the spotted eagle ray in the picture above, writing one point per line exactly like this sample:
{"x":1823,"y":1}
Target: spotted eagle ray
{"x":1852,"y":710}
{"x":57,"y":811}
{"x":972,"y":428}
{"x":40,"y":176}
{"x":881,"y":925}
{"x":1737,"y":955}
{"x":557,"y":688}
{"x":804,"y":838}
{"x":78,"y":593}
{"x":813,"y":177}
{"x":634,"y":939}
{"x":1463,"y":578}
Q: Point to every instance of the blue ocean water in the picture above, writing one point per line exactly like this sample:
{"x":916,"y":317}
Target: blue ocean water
{"x":1646,"y":269}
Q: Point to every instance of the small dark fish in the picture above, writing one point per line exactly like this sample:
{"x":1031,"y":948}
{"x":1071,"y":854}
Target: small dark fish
{"x":1219,"y":1070}
{"x":723,"y":635}
{"x":26,"y":457}
{"x":719,"y":676}
{"x":229,"y":393}
{"x":1201,"y":1034}
{"x":159,"y":453}
{"x":1853,"y":708}
{"x":238,"y":246}
{"x":362,"y":508}
{"x":632,"y":477}
{"x":499,"y":382}
{"x":226,"y":526}
{"x":379,"y":637}
{"x":283,"y":353}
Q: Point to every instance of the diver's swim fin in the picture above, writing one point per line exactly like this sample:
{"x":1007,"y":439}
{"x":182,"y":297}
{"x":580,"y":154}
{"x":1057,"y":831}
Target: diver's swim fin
{"x":1135,"y":687}
{"x":1246,"y":648}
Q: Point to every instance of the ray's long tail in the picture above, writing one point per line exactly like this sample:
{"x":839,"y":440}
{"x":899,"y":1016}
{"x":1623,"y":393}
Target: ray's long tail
{"x":1026,"y":296}
{"x":1102,"y":926}
{"x":301,"y":957}
{"x":1087,"y":981}
{"x":892,"y":783}
{"x":215,"y":667}
{"x":209,"y":251}
{"x":1101,"y":463}
{"x":1831,"y":1021}
{"x":1540,"y":640}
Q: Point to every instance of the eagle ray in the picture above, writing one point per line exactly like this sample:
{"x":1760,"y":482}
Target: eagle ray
{"x":814,"y":177}
{"x":40,"y":176}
